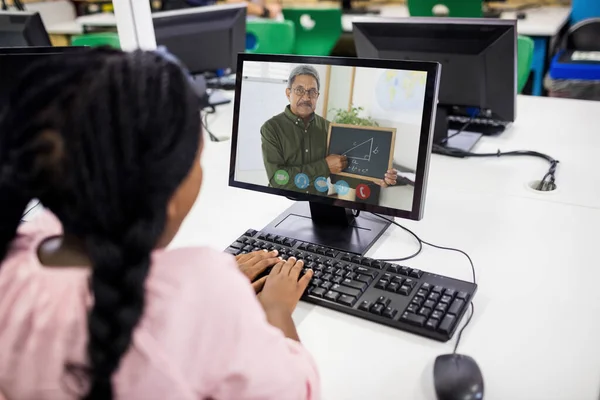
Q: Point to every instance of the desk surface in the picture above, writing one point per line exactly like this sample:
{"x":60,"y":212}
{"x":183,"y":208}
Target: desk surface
{"x":534,"y":333}
{"x":542,"y":21}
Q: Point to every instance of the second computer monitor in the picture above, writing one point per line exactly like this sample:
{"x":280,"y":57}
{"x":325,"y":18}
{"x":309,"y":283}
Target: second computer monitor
{"x":478,"y":57}
{"x":205,"y":39}
{"x":22,"y":29}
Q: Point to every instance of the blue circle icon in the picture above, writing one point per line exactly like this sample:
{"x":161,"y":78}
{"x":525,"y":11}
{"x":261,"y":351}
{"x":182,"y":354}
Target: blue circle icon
{"x":301,"y":180}
{"x":342,"y":188}
{"x":321,"y":184}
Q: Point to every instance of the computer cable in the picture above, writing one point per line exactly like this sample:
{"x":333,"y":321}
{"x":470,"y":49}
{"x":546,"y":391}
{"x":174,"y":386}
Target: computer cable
{"x":29,"y":210}
{"x":421,"y":243}
{"x":548,"y":181}
{"x":204,"y":122}
{"x":462,"y":128}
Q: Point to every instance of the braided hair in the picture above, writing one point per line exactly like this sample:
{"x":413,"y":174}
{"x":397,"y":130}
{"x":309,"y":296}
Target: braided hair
{"x":103,"y":139}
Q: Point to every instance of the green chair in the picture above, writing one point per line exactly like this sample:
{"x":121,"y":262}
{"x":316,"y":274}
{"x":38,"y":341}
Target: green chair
{"x":524,"y":59}
{"x":264,"y":36}
{"x":456,"y":8}
{"x":317,"y":29}
{"x":110,"y":39}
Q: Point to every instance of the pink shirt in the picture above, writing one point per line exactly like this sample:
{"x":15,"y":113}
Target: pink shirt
{"x":203,"y":334}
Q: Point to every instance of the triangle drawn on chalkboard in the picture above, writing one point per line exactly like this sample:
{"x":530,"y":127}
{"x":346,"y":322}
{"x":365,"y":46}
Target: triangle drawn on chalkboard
{"x":359,"y":152}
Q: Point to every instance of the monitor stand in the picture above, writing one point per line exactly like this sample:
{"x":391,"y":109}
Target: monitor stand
{"x":328,"y":226}
{"x":465,"y":141}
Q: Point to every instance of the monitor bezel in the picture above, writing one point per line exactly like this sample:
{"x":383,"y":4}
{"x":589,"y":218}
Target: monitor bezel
{"x":425,"y":140}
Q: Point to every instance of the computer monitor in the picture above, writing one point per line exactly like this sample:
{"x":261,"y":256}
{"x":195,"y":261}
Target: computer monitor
{"x":205,"y":39}
{"x":478,"y":57}
{"x":22,"y":28}
{"x":15,"y":60}
{"x":324,"y":131}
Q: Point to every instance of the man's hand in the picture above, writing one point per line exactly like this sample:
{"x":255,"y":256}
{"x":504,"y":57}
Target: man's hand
{"x":336,"y":163}
{"x":274,"y":10}
{"x":390,"y":178}
{"x":253,"y":264}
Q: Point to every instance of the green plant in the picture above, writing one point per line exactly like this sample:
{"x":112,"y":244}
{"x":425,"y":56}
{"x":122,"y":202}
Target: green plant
{"x":351,"y":117}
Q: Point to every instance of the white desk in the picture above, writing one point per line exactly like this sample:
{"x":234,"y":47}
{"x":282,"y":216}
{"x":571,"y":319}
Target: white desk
{"x":535,"y":330}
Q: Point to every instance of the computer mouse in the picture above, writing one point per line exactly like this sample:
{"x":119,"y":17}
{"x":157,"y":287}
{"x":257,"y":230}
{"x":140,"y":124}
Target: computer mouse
{"x":457,"y":377}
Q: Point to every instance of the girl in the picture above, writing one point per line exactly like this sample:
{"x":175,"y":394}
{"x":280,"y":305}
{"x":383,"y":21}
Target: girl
{"x":92,"y":305}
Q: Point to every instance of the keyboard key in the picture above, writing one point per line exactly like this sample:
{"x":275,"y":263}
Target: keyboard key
{"x":432,"y":324}
{"x":320,"y":292}
{"x":355,"y":284}
{"x":413,"y":319}
{"x":377,"y":309}
{"x":312,"y":248}
{"x":398,"y":279}
{"x":327,"y":277}
{"x":383,"y":300}
{"x":433,"y":297}
{"x":429,"y":304}
{"x":442,"y":307}
{"x":347,"y":300}
{"x":289,"y":242}
{"x":393,"y":268}
{"x":232,"y":251}
{"x":332,"y":296}
{"x":424,"y":311}
{"x":365,"y":305}
{"x":450,"y":292}
{"x":392,"y":287}
{"x":329,"y":270}
{"x":347,"y":257}
{"x":438,"y":289}
{"x":405,"y":290}
{"x":321,"y":250}
{"x":357,"y":259}
{"x":418,"y":301}
{"x":262,"y":236}
{"x":422,"y":293}
{"x":318,"y":274}
{"x":447,"y":323}
{"x":416,"y":273}
{"x":413,"y":308}
{"x":340,"y":265}
{"x":387,"y":277}
{"x":382,"y":284}
{"x":390,"y":312}
{"x":331,"y":253}
{"x":346,"y":290}
{"x":404,"y":270}
{"x":350,"y":268}
{"x":367,"y":261}
{"x":366,"y":271}
{"x":279,"y":239}
{"x":326,"y":285}
{"x":316,"y":281}
{"x":364,"y":278}
{"x":303,"y":246}
{"x":446,"y":299}
{"x":437,"y":314}
{"x":270,"y":237}
{"x":238,"y":245}
{"x":248,"y":248}
{"x":409,"y":282}
{"x":351,"y":275}
{"x":292,"y":253}
{"x":463,"y":295}
{"x":340,"y":272}
{"x":377,"y":264}
{"x":242,"y":239}
{"x":456,"y":307}
{"x":337,"y":279}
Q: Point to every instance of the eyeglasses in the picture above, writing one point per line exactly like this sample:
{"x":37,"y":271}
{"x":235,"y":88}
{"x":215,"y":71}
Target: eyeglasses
{"x":312,"y":93}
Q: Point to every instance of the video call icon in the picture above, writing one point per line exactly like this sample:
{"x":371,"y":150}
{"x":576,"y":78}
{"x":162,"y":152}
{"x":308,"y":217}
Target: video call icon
{"x":321,"y":184}
{"x":342,"y":188}
{"x":282,"y":177}
{"x":363,"y":191}
{"x":301,"y":180}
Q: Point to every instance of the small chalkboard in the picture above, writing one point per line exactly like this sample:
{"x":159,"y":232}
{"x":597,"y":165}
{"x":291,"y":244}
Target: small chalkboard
{"x":370,"y":149}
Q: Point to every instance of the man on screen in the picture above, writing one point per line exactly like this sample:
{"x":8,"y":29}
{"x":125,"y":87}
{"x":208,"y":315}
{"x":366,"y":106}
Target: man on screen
{"x":294,"y":143}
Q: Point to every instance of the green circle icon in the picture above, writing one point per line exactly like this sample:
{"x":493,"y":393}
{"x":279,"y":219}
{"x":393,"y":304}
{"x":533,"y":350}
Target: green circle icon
{"x":282,"y":177}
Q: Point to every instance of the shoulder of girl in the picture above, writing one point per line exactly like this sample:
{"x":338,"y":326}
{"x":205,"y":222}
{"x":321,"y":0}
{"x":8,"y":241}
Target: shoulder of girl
{"x":194,"y":260}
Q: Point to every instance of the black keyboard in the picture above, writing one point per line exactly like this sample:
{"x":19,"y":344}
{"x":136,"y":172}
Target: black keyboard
{"x":480,"y":125}
{"x":404,"y":298}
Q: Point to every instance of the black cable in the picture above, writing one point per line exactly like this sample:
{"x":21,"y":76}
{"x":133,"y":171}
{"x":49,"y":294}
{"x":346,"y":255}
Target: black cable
{"x":547,"y":182}
{"x":29,"y":210}
{"x":407,"y":230}
{"x":204,"y":122}
{"x":462,"y":128}
{"x":421,"y":243}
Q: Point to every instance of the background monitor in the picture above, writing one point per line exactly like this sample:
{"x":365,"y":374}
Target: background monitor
{"x":15,"y":60}
{"x":478,"y":57}
{"x":205,"y":39}
{"x":275,"y":151}
{"x":22,"y":28}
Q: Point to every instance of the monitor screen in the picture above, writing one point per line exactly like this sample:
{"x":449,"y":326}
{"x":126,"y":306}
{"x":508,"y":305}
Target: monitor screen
{"x":348,"y":132}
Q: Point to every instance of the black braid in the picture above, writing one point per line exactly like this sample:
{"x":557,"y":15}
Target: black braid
{"x":103,"y":139}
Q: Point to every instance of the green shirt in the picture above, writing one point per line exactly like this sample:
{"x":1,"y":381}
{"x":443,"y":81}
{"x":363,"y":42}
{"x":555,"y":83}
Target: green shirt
{"x":291,"y":146}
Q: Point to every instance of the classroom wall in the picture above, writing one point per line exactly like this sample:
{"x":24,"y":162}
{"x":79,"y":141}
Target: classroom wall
{"x":339,"y":89}
{"x":367,"y":93}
